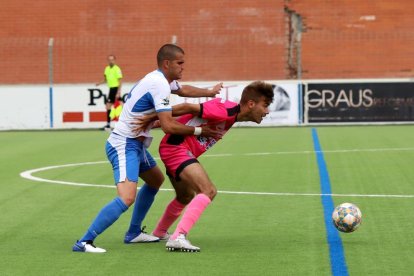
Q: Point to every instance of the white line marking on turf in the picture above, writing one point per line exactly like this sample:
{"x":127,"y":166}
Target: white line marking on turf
{"x":309,"y":194}
{"x":325,"y":151}
{"x":28,"y":175}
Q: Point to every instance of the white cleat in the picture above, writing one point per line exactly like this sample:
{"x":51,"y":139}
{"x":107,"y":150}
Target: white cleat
{"x":181,"y":244}
{"x":141,"y":238}
{"x":166,"y":237}
{"x":87,"y":247}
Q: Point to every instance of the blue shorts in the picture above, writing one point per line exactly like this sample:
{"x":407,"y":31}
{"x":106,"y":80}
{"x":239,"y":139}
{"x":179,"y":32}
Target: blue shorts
{"x":128,"y":157}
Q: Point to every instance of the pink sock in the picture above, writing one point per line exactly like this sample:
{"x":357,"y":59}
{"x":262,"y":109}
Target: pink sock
{"x":192,"y":214}
{"x":171,"y":213}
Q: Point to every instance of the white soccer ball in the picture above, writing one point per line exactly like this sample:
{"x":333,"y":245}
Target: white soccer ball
{"x":347,"y":217}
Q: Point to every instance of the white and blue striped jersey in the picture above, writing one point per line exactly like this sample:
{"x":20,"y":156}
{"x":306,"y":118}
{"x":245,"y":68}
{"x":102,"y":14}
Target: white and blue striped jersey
{"x":152,"y":93}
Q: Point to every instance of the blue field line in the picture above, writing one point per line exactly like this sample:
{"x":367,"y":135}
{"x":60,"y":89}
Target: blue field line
{"x":336,"y":250}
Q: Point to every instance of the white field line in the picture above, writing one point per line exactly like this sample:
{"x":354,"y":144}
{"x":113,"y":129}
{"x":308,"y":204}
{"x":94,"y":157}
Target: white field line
{"x":28,"y":175}
{"x":325,"y":151}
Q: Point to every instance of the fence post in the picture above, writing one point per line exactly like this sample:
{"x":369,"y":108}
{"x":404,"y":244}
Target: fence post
{"x":50,"y":62}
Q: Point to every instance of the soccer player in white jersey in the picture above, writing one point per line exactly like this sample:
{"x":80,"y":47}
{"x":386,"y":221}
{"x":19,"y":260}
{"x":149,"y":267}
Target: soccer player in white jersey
{"x":126,"y":149}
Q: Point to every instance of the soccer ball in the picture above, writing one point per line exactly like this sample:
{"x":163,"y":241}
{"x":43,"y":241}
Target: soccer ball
{"x":346,"y":217}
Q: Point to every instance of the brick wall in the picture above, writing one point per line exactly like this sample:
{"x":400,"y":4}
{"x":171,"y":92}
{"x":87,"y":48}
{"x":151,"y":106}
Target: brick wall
{"x":223,"y":40}
{"x":356,"y":39}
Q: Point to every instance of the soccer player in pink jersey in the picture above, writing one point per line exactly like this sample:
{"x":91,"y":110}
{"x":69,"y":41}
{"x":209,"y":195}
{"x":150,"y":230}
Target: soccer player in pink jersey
{"x":179,"y":153}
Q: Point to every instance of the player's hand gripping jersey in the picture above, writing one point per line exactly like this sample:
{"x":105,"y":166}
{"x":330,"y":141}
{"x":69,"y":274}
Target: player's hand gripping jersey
{"x":178,"y":151}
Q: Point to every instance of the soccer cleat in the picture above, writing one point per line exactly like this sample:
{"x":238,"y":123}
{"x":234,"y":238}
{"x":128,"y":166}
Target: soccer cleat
{"x":142,"y":237}
{"x":166,"y":237}
{"x":87,"y":247}
{"x":181,"y":244}
{"x":107,"y":128}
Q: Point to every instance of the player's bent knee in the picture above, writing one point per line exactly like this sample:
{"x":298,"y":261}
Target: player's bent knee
{"x":128,"y":199}
{"x":154,"y":178}
{"x":157,"y":178}
{"x":211,"y":192}
{"x":158,"y":182}
{"x":127,"y":192}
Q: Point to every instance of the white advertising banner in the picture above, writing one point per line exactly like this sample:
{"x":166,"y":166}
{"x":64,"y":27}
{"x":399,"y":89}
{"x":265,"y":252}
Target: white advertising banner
{"x":24,"y":107}
{"x":283,"y":111}
{"x":83,"y":105}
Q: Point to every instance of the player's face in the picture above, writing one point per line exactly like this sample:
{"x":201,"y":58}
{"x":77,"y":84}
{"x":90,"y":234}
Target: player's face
{"x":176,"y":67}
{"x":259,"y":110}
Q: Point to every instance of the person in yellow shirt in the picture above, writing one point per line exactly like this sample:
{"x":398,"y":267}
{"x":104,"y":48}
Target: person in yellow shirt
{"x":113,"y":77}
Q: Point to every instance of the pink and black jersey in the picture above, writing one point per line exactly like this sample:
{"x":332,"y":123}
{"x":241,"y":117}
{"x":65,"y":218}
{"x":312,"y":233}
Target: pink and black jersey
{"x":219,"y":114}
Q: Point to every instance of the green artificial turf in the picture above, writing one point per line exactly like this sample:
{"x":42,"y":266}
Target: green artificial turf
{"x":239,"y":234}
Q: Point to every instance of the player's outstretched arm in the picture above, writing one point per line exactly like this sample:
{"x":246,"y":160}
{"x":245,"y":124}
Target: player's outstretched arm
{"x":143,"y":122}
{"x":169,"y":125}
{"x":185,"y":108}
{"x":195,"y":92}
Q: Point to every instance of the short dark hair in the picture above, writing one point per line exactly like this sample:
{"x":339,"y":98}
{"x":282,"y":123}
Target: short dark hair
{"x":255,"y":90}
{"x":168,"y":52}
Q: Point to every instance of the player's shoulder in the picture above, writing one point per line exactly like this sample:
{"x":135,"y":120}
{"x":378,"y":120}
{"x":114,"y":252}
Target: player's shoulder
{"x":221,"y":102}
{"x":230,"y":104}
{"x":156,"y":76}
{"x":155,"y":83}
{"x":216,"y":101}
{"x":155,"y":79}
{"x":219,"y":109}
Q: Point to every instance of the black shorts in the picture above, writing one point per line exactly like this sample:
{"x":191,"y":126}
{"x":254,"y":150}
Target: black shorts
{"x":112,"y":95}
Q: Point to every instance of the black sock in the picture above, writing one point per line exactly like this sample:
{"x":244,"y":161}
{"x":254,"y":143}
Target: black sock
{"x":108,"y":119}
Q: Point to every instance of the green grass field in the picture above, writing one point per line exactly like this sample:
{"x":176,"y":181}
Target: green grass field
{"x":240,"y":234}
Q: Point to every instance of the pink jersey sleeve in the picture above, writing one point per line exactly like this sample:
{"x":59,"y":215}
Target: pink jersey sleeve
{"x":214,"y":110}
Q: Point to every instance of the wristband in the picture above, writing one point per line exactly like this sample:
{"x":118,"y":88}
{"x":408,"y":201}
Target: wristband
{"x":197,"y":131}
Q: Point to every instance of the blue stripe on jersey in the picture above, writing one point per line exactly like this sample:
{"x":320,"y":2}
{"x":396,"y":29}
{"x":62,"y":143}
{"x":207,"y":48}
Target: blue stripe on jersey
{"x":144,"y":103}
{"x":129,"y":93}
